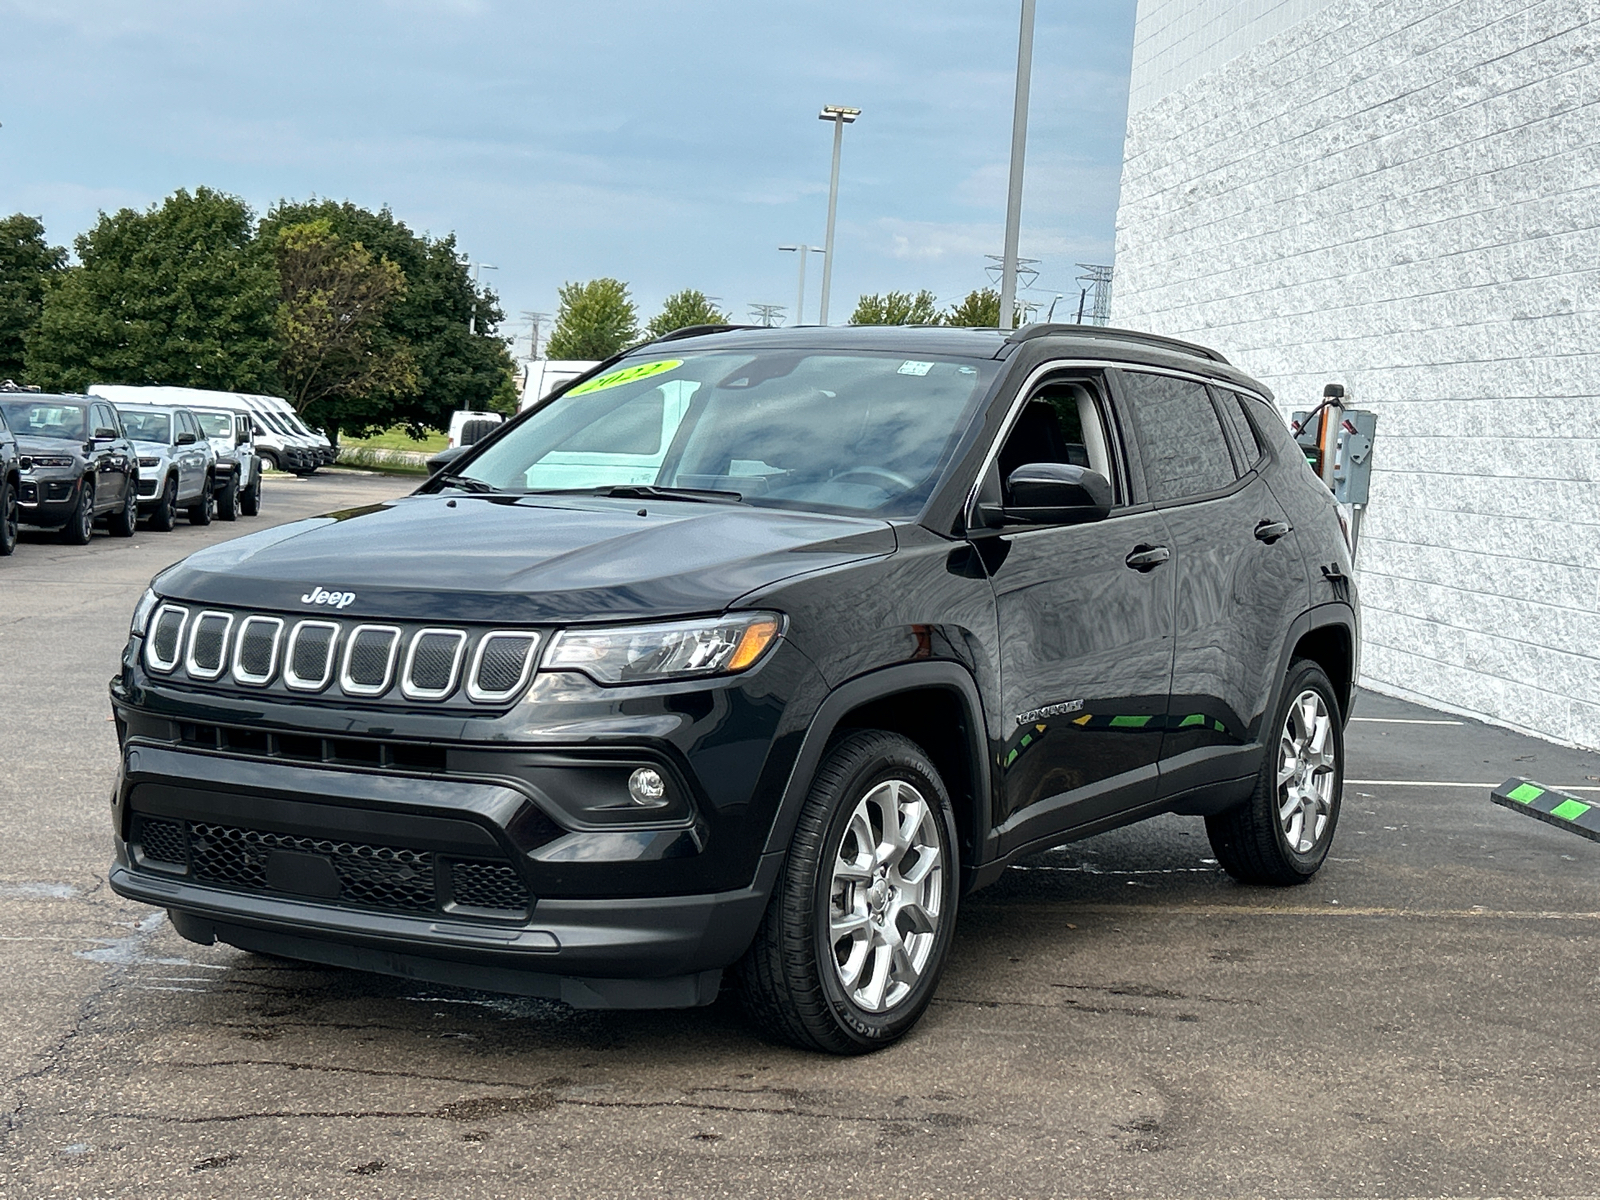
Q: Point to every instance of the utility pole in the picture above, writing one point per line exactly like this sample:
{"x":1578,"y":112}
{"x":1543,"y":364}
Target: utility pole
{"x":535,"y":321}
{"x":472,"y":321}
{"x":800,"y":299}
{"x":1019,"y":146}
{"x":766,"y":312}
{"x":840,"y":116}
{"x":1099,"y":280}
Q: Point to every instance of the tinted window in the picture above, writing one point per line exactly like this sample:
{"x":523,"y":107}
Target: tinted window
{"x":148,"y":426}
{"x":48,"y":418}
{"x":1244,"y":434}
{"x":1182,"y":445}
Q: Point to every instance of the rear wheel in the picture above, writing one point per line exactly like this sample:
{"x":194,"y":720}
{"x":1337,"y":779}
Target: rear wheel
{"x":1282,"y":833}
{"x":205,"y":505}
{"x":860,"y":923}
{"x":228,"y":502}
{"x":8,"y":517}
{"x":79,"y":529}
{"x":165,"y":515}
{"x":125,"y":518}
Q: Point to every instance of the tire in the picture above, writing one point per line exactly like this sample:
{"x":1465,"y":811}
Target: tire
{"x":203,"y":509}
{"x":8,"y":517}
{"x":122,"y":521}
{"x":165,"y":515}
{"x":791,"y":980}
{"x":228,"y":502}
{"x":271,"y":460}
{"x":1281,"y":835}
{"x":79,"y":528}
{"x":250,"y":498}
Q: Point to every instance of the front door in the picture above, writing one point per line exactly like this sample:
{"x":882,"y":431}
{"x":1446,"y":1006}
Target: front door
{"x":1086,"y":632}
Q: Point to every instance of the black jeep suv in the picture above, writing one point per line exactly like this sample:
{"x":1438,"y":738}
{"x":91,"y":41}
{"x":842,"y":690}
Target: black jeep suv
{"x":751,"y":651}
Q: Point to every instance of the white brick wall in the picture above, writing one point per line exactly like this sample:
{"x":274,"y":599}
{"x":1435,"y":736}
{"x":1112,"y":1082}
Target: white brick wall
{"x":1404,"y":196}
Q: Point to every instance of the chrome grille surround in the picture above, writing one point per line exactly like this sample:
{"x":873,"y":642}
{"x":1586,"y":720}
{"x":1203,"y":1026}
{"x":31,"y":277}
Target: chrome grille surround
{"x":246,"y":644}
{"x":203,"y":624}
{"x":428,"y":641}
{"x":359,"y":637}
{"x":487,"y":643}
{"x":160,"y":622}
{"x":291,"y":656}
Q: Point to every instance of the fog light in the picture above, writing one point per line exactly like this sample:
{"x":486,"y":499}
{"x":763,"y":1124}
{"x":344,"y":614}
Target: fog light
{"x":647,"y":787}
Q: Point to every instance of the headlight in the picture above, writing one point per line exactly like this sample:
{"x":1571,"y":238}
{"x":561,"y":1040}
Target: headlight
{"x":52,"y":460}
{"x":141,"y":612}
{"x":679,"y":650}
{"x":149,"y":462}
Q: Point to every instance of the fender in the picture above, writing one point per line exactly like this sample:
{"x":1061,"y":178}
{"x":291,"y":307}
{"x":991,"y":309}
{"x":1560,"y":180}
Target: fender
{"x":877,"y":685}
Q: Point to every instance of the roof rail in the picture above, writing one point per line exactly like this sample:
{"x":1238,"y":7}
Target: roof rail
{"x":696,"y":331}
{"x":1028,"y":332}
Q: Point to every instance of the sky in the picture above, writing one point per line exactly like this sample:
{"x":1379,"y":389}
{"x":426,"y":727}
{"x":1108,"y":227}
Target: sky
{"x":667,"y":143}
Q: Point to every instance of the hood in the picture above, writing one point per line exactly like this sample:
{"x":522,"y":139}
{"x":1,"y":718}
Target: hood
{"x":153,"y":449}
{"x":523,"y":560}
{"x":49,"y":445}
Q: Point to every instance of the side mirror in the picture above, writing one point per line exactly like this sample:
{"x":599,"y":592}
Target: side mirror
{"x":1050,"y":494}
{"x":185,"y":439}
{"x":240,"y":438}
{"x":105,"y":434}
{"x":445,"y":457}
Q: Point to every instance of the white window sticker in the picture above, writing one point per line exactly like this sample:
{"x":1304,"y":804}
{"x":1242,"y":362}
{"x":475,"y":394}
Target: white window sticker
{"x":915,"y":368}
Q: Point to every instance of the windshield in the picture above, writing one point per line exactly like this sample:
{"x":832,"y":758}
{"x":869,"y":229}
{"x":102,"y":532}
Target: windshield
{"x":47,"y":418}
{"x":147,"y":426}
{"x":809,"y":429}
{"x":215,"y":424}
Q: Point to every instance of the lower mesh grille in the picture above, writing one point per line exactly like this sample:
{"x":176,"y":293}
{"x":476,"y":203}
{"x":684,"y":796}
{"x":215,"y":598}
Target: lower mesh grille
{"x":488,"y":885}
{"x":163,"y":841}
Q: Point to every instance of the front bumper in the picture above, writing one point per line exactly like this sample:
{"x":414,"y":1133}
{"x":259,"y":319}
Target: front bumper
{"x":47,"y":500}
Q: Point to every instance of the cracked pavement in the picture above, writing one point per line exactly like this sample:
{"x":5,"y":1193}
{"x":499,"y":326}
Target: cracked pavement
{"x":1119,"y":1019}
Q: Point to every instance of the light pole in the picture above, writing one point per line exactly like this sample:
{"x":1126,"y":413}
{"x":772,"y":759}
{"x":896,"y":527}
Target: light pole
{"x":1019,"y":144}
{"x":840,"y":116}
{"x":800,"y":300}
{"x":472,"y":321}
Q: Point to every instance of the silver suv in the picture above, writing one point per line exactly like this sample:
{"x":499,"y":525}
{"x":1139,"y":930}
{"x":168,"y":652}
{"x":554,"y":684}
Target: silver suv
{"x":232,"y":436}
{"x":177,"y":465}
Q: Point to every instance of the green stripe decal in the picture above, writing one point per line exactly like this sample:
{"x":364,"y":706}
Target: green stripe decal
{"x":1569,"y":810}
{"x":1192,"y":719}
{"x":1129,"y":722}
{"x":1525,"y":793}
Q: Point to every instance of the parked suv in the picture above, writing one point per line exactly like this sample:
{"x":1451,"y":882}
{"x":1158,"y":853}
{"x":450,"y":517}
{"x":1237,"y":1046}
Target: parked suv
{"x":232,"y":436}
{"x":10,"y":484}
{"x":77,"y":465}
{"x":835,"y":626}
{"x":177,"y":466}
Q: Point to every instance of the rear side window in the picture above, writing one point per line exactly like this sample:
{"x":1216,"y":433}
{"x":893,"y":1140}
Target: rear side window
{"x":1181,"y":442}
{"x":1245,"y":438}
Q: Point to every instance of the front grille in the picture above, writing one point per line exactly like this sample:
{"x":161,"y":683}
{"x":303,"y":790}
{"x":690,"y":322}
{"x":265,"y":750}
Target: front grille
{"x":369,"y":660}
{"x":431,"y":664}
{"x":369,"y":875}
{"x":208,"y":645}
{"x":501,"y":666}
{"x":487,"y":885}
{"x":166,"y":637}
{"x":309,"y":660}
{"x":255,"y":654}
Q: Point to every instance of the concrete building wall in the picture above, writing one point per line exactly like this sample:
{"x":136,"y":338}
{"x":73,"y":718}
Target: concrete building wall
{"x":1404,"y":196}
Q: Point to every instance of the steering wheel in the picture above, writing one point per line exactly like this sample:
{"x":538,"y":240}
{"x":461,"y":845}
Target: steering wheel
{"x":894,"y":477}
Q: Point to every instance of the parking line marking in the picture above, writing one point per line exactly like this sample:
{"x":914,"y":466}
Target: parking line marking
{"x":1403,"y":721}
{"x":1450,"y":784}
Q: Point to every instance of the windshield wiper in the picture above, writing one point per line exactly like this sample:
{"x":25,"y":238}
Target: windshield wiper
{"x":650,"y":491}
{"x":468,"y":484}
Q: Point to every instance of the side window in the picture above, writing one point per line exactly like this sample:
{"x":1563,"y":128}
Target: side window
{"x":100,"y":419}
{"x":1062,"y":422}
{"x":1182,"y":445}
{"x":1245,"y":437}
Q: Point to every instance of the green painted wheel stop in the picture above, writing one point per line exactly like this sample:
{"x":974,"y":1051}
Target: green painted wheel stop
{"x":1550,"y":806}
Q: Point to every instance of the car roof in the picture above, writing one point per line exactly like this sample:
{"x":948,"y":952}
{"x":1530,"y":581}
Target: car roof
{"x":169,"y":409}
{"x":53,"y":397}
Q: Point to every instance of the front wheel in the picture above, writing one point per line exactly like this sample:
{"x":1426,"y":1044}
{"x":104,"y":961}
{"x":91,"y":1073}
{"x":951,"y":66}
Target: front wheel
{"x":1282,"y":833}
{"x":228,"y":502}
{"x":859,"y":926}
{"x":79,"y":529}
{"x":8,"y":517}
{"x":165,"y":515}
{"x":122,"y":521}
{"x":205,"y":505}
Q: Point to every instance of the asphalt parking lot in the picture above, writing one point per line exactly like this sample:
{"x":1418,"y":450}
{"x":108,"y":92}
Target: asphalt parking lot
{"x":1120,"y":1019}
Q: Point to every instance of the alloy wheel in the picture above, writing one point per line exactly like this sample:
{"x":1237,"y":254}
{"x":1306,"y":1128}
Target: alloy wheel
{"x":1307,"y":768}
{"x":886,"y":896}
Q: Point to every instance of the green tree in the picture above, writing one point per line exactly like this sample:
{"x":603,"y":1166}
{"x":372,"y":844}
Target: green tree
{"x":335,"y":296}
{"x":897,"y":308}
{"x":980,"y":310}
{"x":594,"y":320}
{"x":28,"y":267}
{"x":178,"y":294}
{"x":683,"y":309}
{"x":456,"y":369}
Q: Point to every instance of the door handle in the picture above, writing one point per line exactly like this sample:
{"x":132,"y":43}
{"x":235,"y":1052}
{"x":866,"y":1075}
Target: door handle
{"x":1147,"y":558}
{"x":1270,"y":531}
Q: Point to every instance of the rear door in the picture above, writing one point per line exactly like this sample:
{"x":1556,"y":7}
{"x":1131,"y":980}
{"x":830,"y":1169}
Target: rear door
{"x":1240,"y":577}
{"x":1086,"y":628}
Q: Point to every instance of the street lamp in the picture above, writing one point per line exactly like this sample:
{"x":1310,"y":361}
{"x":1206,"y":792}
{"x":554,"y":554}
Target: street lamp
{"x":1019,"y":144}
{"x":800,"y":301}
{"x":840,"y":116}
{"x":472,"y":321}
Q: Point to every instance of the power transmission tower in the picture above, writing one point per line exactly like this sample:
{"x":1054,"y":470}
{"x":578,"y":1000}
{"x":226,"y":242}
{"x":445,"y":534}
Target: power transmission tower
{"x":535,"y":321}
{"x":766,"y":312}
{"x":1098,"y":279}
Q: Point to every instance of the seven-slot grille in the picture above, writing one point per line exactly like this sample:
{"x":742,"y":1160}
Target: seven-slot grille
{"x":397,"y":878}
{"x":318,"y":655}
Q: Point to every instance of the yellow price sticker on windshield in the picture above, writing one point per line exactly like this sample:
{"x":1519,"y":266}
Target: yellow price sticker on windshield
{"x":617,"y":378}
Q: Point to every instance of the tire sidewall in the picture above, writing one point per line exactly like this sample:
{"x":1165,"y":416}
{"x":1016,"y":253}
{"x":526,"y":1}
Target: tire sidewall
{"x":8,"y":517}
{"x":82,"y":527}
{"x":892,"y":762}
{"x":1304,"y":676}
